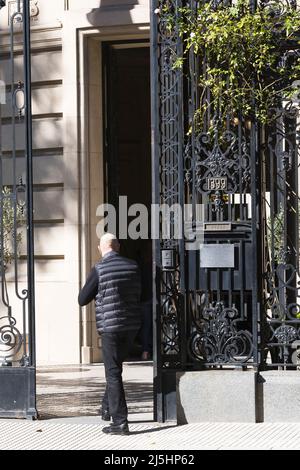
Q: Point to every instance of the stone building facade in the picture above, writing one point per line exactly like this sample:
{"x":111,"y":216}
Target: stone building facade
{"x":68,"y":142}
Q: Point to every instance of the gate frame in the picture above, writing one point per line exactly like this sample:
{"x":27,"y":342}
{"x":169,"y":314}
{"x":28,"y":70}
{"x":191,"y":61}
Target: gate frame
{"x":164,"y":372}
{"x":18,"y":388}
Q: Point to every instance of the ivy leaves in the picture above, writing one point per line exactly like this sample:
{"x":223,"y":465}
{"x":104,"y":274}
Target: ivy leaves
{"x":8,"y":221}
{"x":248,"y":69}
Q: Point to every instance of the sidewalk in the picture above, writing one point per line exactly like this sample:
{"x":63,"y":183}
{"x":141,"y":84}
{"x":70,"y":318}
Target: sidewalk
{"x":68,"y":403}
{"x":77,"y":391}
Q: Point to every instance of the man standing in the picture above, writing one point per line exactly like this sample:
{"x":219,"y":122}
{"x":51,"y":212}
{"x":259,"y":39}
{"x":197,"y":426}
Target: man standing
{"x":115,"y":284}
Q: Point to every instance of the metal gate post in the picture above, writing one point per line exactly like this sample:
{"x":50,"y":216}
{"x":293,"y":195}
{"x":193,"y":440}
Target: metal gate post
{"x":168,"y":191}
{"x":17,"y":324}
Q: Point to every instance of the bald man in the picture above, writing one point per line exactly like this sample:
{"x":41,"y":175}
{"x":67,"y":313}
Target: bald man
{"x":115,"y":285}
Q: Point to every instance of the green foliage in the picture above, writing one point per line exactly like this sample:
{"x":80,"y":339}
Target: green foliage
{"x":243,"y":51}
{"x":8,"y":211}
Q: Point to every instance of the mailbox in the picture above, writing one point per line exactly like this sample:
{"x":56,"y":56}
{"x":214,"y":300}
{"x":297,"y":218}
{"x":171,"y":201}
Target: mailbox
{"x":168,"y":260}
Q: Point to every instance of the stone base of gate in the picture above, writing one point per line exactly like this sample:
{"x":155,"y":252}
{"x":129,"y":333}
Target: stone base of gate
{"x":217,"y":396}
{"x":280,"y":396}
{"x":238,"y":396}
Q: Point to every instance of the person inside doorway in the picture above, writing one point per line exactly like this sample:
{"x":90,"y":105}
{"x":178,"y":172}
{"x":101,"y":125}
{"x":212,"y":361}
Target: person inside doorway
{"x":115,"y":284}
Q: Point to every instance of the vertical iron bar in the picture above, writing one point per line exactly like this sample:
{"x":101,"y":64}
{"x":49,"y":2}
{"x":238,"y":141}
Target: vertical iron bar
{"x":242,"y":277}
{"x":181,"y":201}
{"x":14,"y":150}
{"x":3,"y":298}
{"x":29,"y":185}
{"x":255,"y":221}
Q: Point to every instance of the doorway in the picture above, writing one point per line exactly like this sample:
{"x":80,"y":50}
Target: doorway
{"x":127,"y":152}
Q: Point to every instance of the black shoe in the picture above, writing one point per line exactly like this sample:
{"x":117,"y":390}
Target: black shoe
{"x":121,"y":429}
{"x":105,"y":416}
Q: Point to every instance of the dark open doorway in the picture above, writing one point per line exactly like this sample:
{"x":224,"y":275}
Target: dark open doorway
{"x":127,"y":126}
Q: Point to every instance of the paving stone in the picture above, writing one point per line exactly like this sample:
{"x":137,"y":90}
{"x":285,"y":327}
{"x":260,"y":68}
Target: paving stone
{"x":72,"y":422}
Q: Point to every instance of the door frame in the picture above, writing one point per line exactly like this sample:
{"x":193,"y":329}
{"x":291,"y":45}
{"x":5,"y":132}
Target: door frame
{"x":91,"y":159}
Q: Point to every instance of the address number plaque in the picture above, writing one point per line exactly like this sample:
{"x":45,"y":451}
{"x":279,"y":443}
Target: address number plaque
{"x":217,"y":183}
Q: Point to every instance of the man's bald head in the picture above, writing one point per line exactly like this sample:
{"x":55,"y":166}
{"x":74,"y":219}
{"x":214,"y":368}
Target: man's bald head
{"x":108,"y":242}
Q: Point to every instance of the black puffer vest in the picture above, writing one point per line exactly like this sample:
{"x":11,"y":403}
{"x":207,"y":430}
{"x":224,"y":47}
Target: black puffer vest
{"x":119,"y":291}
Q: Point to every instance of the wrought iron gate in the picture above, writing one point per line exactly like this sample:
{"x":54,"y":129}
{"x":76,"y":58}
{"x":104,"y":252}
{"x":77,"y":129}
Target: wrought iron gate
{"x":234,"y":302}
{"x":17,"y":307}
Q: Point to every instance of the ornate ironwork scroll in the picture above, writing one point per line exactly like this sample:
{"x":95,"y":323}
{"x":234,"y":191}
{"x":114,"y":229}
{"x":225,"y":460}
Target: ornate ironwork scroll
{"x":219,"y":339}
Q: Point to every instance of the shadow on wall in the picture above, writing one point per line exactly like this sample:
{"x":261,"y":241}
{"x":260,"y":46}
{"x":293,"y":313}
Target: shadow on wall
{"x":48,"y":163}
{"x":108,"y":15}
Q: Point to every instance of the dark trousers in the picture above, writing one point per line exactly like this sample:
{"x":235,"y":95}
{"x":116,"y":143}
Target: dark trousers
{"x":115,"y":348}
